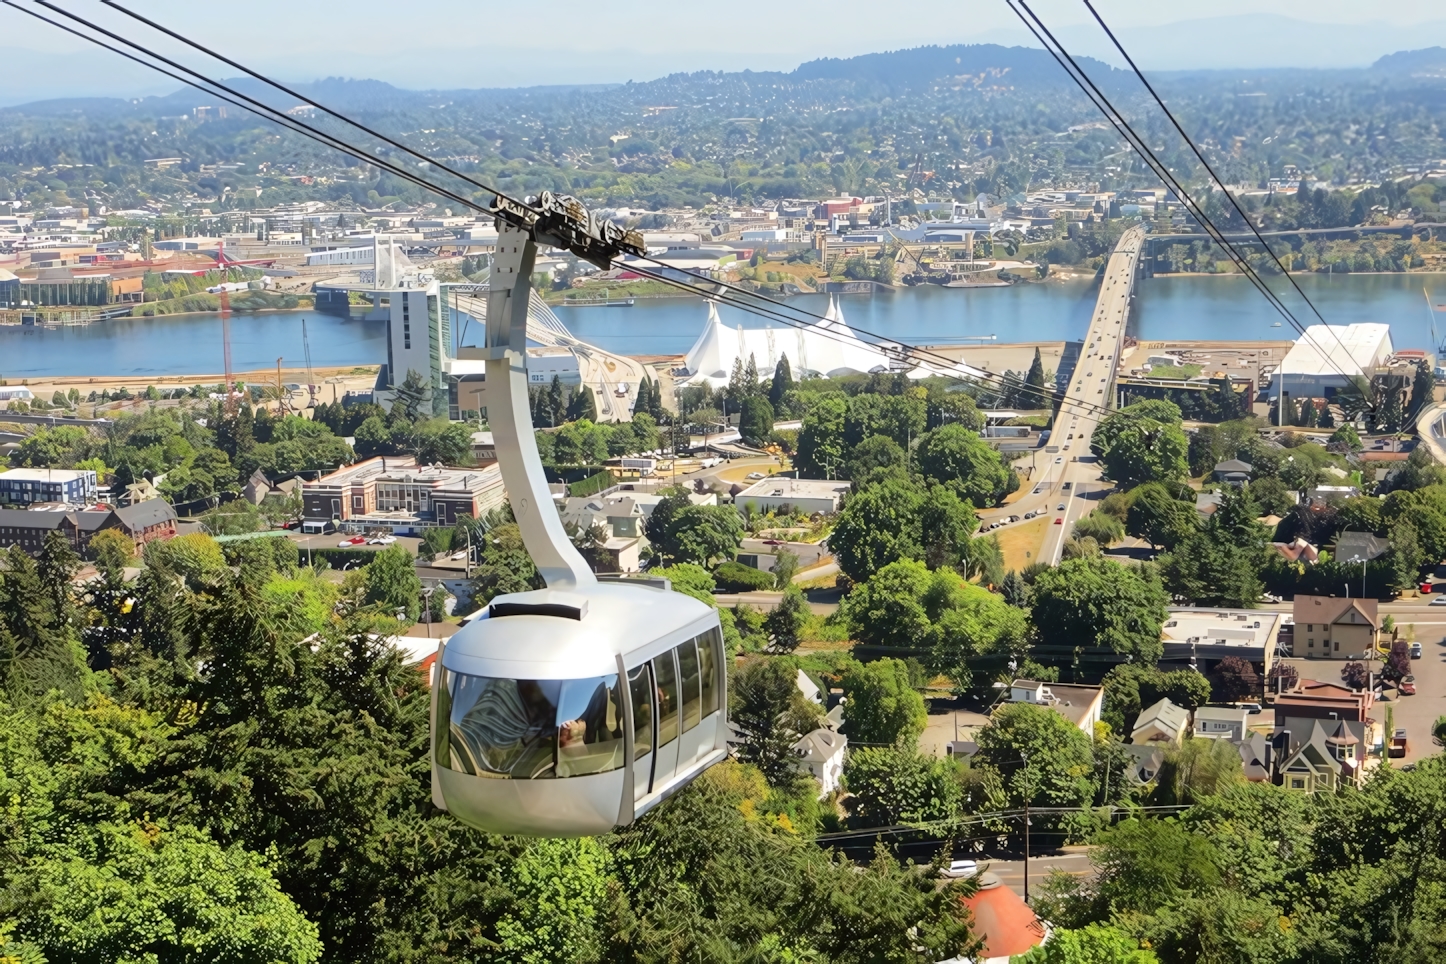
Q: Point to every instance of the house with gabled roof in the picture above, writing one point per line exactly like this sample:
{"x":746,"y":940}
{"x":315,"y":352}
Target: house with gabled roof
{"x":1161,"y":722}
{"x":1318,"y":755}
{"x":1333,"y":627}
{"x":1082,"y":705}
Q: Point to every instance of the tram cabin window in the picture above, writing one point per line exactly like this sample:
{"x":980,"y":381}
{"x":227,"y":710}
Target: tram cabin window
{"x":642,"y":694}
{"x":530,"y":729}
{"x":692,"y":698}
{"x":665,"y":675}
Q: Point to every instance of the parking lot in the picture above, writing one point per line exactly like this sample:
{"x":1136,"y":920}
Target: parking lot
{"x":1415,"y":713}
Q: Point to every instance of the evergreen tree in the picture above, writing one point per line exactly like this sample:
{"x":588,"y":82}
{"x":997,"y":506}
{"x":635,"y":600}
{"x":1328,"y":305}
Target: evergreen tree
{"x":642,"y":402}
{"x":737,"y":386}
{"x":755,"y":423}
{"x":1034,"y":381}
{"x":1423,"y":385}
{"x":582,"y":405}
{"x":750,"y":377}
{"x":782,"y":382}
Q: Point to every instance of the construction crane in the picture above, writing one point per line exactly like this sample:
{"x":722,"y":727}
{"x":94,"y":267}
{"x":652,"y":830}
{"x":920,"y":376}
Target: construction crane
{"x":228,"y":391}
{"x":311,"y":386}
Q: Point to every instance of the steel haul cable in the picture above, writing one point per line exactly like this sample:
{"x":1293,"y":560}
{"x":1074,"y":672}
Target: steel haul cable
{"x":772,"y":311}
{"x":774,"y":307}
{"x":1102,"y":103}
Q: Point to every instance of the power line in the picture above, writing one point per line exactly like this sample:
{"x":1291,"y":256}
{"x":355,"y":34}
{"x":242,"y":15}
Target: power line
{"x":1203,"y":162}
{"x":889,"y":346}
{"x":1060,"y":398}
{"x":1102,"y":103}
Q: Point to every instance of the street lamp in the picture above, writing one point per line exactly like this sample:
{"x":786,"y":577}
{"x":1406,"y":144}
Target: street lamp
{"x":427,"y":608}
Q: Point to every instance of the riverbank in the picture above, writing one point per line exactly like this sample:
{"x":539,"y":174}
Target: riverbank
{"x":340,"y":378}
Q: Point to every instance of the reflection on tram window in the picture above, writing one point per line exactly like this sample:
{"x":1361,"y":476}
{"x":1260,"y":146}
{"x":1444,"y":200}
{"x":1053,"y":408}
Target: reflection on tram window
{"x":667,"y":678}
{"x":688,"y":683}
{"x":641,"y":692}
{"x":589,"y":727}
{"x":531,"y":729}
{"x":708,"y":645}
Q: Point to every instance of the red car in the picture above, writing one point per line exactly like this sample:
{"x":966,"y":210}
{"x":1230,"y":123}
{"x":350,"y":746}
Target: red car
{"x":1406,"y":689}
{"x":1059,"y":521}
{"x":353,"y":541}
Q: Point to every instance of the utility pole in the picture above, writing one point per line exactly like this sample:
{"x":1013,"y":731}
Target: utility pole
{"x":1027,"y":791}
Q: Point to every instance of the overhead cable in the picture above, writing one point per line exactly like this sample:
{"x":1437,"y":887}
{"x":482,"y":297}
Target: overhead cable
{"x":1102,"y":103}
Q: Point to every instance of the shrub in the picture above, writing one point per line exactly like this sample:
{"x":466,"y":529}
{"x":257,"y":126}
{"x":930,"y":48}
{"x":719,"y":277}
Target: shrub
{"x":736,"y":577}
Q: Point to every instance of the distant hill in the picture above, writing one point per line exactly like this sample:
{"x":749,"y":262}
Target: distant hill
{"x":1430,"y":62}
{"x":1004,"y":66}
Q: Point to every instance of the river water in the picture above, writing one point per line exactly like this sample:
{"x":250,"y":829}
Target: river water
{"x":1179,"y":307}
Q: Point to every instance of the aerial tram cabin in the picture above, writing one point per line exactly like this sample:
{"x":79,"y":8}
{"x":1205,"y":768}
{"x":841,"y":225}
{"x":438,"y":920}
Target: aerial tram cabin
{"x":571,"y":710}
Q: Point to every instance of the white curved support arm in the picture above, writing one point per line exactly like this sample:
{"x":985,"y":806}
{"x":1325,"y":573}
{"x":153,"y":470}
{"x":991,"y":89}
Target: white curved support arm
{"x":510,"y":415}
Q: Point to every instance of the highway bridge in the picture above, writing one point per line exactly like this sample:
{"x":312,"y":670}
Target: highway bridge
{"x":1071,"y":477}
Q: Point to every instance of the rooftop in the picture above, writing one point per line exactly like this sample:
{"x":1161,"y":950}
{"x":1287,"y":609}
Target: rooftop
{"x":1332,"y":609}
{"x":1360,"y":547}
{"x":1331,"y":349}
{"x":799,"y":488}
{"x":406,"y":469}
{"x":46,"y":475}
{"x":1238,"y":627}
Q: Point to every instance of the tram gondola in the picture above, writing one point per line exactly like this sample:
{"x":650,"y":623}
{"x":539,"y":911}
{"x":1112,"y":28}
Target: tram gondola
{"x":571,"y":710}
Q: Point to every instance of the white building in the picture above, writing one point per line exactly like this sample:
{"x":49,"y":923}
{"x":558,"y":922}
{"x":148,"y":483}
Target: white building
{"x":1081,"y":705}
{"x":1230,"y":723}
{"x":822,"y":753}
{"x":1325,"y":357}
{"x":543,"y":364}
{"x":809,"y":496}
{"x":1160,"y":722}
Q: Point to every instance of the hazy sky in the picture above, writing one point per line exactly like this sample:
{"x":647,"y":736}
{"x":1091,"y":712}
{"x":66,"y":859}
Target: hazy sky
{"x":452,"y":43}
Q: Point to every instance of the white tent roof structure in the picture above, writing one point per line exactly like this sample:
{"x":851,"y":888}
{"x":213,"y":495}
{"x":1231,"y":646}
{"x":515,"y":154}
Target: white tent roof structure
{"x":828,"y":347}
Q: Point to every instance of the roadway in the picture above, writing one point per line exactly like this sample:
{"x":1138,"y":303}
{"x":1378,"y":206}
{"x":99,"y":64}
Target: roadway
{"x":1071,"y":479}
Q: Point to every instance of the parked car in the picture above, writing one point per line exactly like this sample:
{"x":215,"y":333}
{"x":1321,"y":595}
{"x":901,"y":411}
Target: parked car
{"x":1059,"y":508}
{"x":755,"y":476}
{"x":1415,"y":650}
{"x":1440,"y":600}
{"x":1058,"y":459}
{"x":1059,"y":521}
{"x":961,"y":868}
{"x":1066,"y":486}
{"x":381,"y":540}
{"x":1398,"y":742}
{"x":353,"y":541}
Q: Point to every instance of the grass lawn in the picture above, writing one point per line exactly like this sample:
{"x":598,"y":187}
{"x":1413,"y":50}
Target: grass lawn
{"x":1181,"y":372}
{"x":1020,"y":538}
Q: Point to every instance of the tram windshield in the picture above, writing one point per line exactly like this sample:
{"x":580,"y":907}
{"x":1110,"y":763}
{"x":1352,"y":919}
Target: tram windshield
{"x":530,"y":729}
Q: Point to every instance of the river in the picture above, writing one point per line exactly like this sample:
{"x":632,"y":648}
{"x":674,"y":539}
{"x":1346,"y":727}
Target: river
{"x":1177,"y":307}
